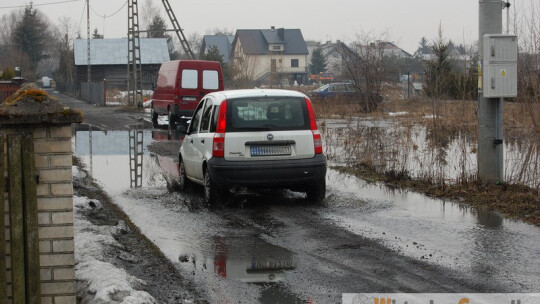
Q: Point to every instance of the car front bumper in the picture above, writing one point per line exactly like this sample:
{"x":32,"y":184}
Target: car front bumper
{"x":268,"y":174}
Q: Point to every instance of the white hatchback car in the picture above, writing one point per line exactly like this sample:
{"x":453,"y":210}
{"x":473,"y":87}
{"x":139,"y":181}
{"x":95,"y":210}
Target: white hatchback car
{"x":255,"y":139}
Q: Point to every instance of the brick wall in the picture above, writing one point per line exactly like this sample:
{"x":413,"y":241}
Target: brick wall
{"x":53,"y":161}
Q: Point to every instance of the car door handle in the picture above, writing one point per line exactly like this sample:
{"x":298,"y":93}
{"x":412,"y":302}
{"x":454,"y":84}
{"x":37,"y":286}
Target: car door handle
{"x":202,"y":141}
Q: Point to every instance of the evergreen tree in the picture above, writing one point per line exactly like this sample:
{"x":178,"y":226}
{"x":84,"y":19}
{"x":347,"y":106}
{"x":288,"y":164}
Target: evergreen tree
{"x":318,"y":62}
{"x":423,"y":47}
{"x":31,"y":35}
{"x":438,"y":70}
{"x":96,"y":34}
{"x":157,"y":28}
{"x":213,"y":55}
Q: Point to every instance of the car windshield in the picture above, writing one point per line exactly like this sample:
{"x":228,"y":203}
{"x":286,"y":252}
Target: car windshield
{"x":267,"y":114}
{"x":324,"y":87}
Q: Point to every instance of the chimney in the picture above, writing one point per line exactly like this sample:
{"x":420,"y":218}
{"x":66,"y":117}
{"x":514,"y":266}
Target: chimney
{"x":281,"y":33}
{"x":328,"y":41}
{"x":273,"y":28}
{"x":338,"y":41}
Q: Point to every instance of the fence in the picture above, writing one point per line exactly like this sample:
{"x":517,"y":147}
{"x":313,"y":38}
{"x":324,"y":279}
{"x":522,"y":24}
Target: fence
{"x":7,"y":88}
{"x":93,"y":92}
{"x":23,"y":253}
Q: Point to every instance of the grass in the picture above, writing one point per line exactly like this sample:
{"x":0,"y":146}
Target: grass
{"x":431,"y":148}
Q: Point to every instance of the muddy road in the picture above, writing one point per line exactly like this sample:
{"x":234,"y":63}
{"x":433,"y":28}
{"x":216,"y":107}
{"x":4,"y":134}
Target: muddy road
{"x":277,"y":247}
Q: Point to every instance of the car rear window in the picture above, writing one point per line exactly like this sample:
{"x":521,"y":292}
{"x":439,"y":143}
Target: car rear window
{"x":267,"y":114}
{"x":210,"y":80}
{"x":189,"y":79}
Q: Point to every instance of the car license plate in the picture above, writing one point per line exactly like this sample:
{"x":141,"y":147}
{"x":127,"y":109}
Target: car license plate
{"x":270,"y":150}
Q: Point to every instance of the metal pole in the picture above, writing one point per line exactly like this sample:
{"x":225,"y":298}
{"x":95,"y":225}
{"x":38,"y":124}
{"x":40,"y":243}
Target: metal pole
{"x":88,"y":71}
{"x":490,"y":149}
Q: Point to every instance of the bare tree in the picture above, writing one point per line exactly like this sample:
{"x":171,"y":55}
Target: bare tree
{"x":67,"y":32}
{"x":365,"y":63}
{"x":527,"y":27}
{"x":149,"y":11}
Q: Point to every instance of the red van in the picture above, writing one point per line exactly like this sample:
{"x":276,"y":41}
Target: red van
{"x":180,"y":86}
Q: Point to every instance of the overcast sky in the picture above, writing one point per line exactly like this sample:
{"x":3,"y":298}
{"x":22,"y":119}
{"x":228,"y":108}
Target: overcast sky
{"x":321,"y":20}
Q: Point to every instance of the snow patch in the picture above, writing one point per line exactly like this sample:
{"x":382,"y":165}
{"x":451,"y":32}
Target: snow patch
{"x":397,"y":113}
{"x":99,"y":281}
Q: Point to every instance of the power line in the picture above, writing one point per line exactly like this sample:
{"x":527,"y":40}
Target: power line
{"x":39,"y":4}
{"x":82,"y":15}
{"x":107,"y":16}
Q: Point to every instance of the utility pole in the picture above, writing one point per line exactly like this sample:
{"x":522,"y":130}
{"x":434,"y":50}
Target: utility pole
{"x":134,"y":73}
{"x":496,"y":81}
{"x":88,"y":71}
{"x":178,"y":29}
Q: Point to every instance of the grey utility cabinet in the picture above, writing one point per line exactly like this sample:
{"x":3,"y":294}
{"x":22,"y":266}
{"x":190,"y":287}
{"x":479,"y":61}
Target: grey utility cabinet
{"x":500,"y":66}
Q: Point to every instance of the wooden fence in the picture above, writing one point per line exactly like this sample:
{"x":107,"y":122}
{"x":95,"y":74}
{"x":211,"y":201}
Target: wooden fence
{"x":23,"y":221}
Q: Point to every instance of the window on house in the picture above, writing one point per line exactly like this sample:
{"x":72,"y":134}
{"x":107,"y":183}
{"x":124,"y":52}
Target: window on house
{"x":276,"y":47}
{"x":294,"y":63}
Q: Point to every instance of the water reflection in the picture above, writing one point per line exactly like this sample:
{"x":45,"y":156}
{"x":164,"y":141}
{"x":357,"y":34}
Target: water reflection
{"x":167,"y":135}
{"x":441,"y":155}
{"x":114,"y":157}
{"x":476,"y":242}
{"x":248,"y":259}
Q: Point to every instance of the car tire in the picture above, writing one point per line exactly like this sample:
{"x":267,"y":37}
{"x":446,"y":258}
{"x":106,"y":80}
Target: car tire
{"x":154,"y":116}
{"x":172,"y":119}
{"x":316,"y":192}
{"x":212,"y":192}
{"x":183,"y":181}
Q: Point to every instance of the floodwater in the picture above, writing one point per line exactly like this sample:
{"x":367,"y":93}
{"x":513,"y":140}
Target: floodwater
{"x":425,"y":153}
{"x":258,"y":254}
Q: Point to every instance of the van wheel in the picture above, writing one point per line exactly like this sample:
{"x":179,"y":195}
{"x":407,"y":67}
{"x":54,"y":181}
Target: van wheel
{"x":154,"y":118}
{"x":172,"y":119}
{"x":183,"y":181}
{"x":212,"y":192}
{"x":316,"y":192}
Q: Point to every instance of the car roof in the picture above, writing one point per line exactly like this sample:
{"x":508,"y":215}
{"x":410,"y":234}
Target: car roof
{"x":222,"y":95}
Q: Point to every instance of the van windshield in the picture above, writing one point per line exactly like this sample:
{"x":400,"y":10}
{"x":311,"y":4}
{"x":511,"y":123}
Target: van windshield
{"x":267,"y":114}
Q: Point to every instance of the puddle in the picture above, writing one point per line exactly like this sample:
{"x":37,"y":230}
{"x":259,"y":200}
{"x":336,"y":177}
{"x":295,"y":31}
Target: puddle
{"x":444,"y":233}
{"x":202,"y":244}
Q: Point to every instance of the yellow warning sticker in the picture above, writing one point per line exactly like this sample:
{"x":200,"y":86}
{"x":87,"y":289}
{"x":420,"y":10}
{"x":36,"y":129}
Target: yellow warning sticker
{"x":503,"y":73}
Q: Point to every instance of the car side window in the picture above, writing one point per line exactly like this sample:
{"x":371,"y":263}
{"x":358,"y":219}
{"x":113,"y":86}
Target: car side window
{"x":194,"y":126}
{"x":206,"y":117}
{"x":213,"y":123}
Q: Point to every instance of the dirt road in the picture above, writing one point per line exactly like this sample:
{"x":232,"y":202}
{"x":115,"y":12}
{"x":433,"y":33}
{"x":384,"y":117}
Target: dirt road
{"x":274,"y":246}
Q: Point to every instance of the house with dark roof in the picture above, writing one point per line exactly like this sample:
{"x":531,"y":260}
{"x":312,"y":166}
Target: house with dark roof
{"x":271,"y":56}
{"x":222,"y":42}
{"x":109,"y":59}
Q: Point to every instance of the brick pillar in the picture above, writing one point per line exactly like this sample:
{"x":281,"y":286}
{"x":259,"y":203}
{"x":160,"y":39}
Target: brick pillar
{"x":53,"y":160}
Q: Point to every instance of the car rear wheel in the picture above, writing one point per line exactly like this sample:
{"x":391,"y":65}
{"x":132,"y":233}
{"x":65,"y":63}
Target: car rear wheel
{"x":154,"y":118}
{"x":212,"y":192}
{"x":316,"y":192}
{"x":172,"y":120}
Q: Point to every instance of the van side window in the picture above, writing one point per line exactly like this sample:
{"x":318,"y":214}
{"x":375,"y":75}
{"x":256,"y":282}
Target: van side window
{"x":190,"y":79}
{"x":194,"y":125}
{"x":210,"y":80}
{"x":206,"y":117}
